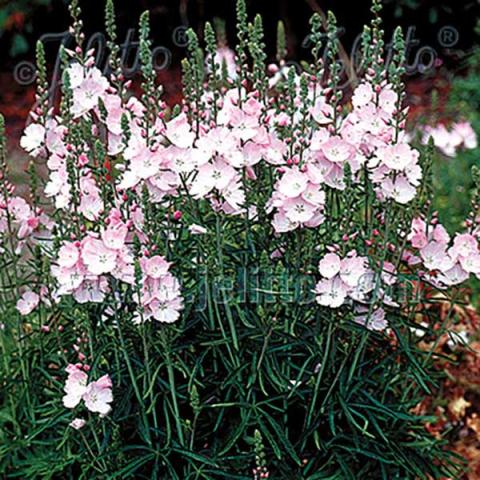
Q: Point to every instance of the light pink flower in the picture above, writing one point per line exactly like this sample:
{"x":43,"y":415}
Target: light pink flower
{"x":179,"y":132}
{"x":331,"y":292}
{"x":77,"y":423}
{"x":351,"y":270}
{"x":97,"y":257}
{"x":98,"y":396}
{"x":33,"y":139}
{"x":362,"y":95}
{"x":299,"y":210}
{"x":398,"y":157}
{"x":337,"y":150}
{"x":114,"y":236}
{"x":75,"y":386}
{"x":155,"y":267}
{"x":329,"y":266}
{"x":293,"y":183}
{"x":464,"y":245}
{"x":469,"y":137}
{"x":376,"y":321}
{"x":88,"y":87}
{"x":322,"y":112}
{"x":435,"y":257}
{"x":28,"y":302}
{"x":68,"y":255}
{"x":216,"y":175}
{"x":399,"y":189}
{"x":195,"y":229}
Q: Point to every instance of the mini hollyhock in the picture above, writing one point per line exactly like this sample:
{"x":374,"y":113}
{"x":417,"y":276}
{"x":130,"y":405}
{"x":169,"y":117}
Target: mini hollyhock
{"x":24,"y":219}
{"x":88,"y":86}
{"x":28,"y":302}
{"x":160,"y":296}
{"x":77,"y":423}
{"x":446,"y":264}
{"x":450,"y":140}
{"x":33,"y":139}
{"x":375,"y":320}
{"x":75,"y":386}
{"x":98,"y":396}
{"x":340,"y":278}
{"x":274,"y":171}
{"x":297,"y":200}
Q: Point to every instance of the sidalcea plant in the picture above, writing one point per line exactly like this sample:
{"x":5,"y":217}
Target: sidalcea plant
{"x":231,"y":285}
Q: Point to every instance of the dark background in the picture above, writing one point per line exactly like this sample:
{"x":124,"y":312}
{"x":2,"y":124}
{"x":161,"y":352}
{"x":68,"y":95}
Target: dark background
{"x":23,"y":22}
{"x":428,"y":16}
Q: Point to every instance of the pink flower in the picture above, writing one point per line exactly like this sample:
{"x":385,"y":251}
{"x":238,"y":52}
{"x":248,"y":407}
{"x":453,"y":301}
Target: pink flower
{"x":398,"y":157}
{"x":452,"y":276}
{"x":197,"y":229}
{"x":467,"y":133}
{"x":98,"y":396}
{"x":375,"y":321}
{"x":224,"y":56}
{"x":155,"y":267}
{"x":471,"y":263}
{"x":418,"y":236}
{"x":362,"y":95}
{"x":329,"y":266}
{"x":293,"y":183}
{"x":322,"y":112}
{"x":75,"y":386}
{"x":464,"y":245}
{"x":97,"y":257}
{"x":435,"y":257}
{"x":33,"y":139}
{"x":179,"y":132}
{"x":88,"y":87}
{"x":351,"y":270}
{"x":114,"y":236}
{"x":28,"y":302}
{"x":331,"y":292}
{"x":91,"y":291}
{"x":77,"y":423}
{"x":282,"y":224}
{"x":337,"y":150}
{"x":210,"y":176}
{"x":68,"y":255}
{"x":299,"y":210}
{"x":388,"y":100}
{"x":91,"y":203}
{"x":166,"y":306}
{"x":399,"y":190}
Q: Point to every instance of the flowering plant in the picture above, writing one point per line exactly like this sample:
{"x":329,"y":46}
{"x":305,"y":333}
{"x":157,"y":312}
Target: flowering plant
{"x":241,"y":273}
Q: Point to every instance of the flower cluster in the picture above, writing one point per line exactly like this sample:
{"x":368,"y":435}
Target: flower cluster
{"x":450,"y":140}
{"x":82,"y":266}
{"x":160,"y":296}
{"x":260,"y":174}
{"x":352,"y":279}
{"x":19,"y":218}
{"x":447,"y":263}
{"x":96,"y":395}
{"x":298,"y":199}
{"x":380,"y":143}
{"x":341,"y":278}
